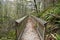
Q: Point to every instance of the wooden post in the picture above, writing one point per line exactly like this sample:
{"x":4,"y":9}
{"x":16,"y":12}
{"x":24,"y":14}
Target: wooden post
{"x":16,"y":24}
{"x":45,"y":31}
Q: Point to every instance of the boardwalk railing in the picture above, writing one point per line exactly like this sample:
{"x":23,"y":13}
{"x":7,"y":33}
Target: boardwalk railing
{"x":40,"y":27}
{"x":21,"y":24}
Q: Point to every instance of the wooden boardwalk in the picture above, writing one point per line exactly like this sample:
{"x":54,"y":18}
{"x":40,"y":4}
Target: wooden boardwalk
{"x":29,"y":32}
{"x":30,"y":28}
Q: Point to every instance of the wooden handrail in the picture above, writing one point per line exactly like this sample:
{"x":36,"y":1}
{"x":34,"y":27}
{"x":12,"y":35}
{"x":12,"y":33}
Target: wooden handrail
{"x":41,"y":24}
{"x":18,"y":22}
{"x":39,"y":20}
{"x":21,"y":19}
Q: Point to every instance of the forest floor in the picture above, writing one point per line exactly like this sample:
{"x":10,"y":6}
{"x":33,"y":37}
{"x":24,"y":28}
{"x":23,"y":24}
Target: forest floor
{"x":29,"y":32}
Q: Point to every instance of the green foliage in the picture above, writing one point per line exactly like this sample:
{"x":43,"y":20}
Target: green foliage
{"x":57,"y":10}
{"x":4,"y":38}
{"x":45,"y":14}
{"x":4,"y":19}
{"x":47,"y":17}
{"x":0,"y":4}
{"x":57,"y":36}
{"x":11,"y":34}
{"x":53,"y":22}
{"x":58,"y":2}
